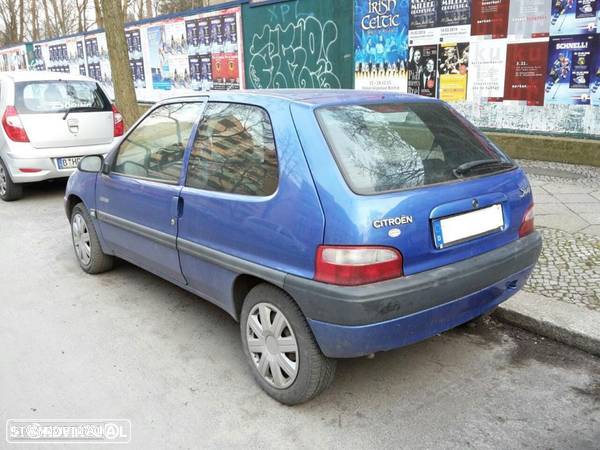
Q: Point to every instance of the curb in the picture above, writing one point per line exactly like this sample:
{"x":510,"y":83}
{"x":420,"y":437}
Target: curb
{"x":569,"y":324}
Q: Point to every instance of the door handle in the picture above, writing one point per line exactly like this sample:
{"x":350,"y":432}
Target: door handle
{"x":179,"y":207}
{"x":176,"y":209}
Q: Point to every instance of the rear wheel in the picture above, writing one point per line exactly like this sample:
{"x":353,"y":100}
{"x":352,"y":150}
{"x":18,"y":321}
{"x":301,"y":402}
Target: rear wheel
{"x":9,"y":191}
{"x":283,"y":354}
{"x":86,"y":244}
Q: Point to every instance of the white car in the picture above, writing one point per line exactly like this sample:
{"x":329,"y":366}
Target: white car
{"x":49,"y":122}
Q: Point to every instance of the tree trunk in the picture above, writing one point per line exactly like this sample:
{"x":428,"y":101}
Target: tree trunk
{"x":47,"y":22}
{"x":148,"y":8}
{"x":21,"y":20}
{"x":119,"y":61}
{"x":35,"y":28}
{"x":124,"y":7}
{"x":99,"y":18}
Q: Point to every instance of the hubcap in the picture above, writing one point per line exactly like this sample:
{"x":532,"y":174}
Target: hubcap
{"x":81,"y":239}
{"x":272,"y":345}
{"x":3,"y":182}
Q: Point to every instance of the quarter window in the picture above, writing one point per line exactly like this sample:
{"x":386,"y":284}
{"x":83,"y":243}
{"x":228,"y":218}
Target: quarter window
{"x":156,"y":147}
{"x":234,"y":151}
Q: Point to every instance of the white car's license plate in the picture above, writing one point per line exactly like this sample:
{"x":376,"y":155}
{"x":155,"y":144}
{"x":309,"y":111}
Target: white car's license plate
{"x":68,"y":163}
{"x":462,"y":227}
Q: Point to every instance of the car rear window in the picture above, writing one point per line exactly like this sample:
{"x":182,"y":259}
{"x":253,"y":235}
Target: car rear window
{"x":38,"y":97}
{"x":393,"y":146}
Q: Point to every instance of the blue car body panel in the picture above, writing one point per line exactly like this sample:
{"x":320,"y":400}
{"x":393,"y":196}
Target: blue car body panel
{"x":203,"y":241}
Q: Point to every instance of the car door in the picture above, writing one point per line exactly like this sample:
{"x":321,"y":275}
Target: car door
{"x":138,"y":201}
{"x":227,"y":199}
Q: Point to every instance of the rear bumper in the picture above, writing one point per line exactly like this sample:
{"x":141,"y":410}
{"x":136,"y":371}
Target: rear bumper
{"x":45,"y":160}
{"x":343,"y":341}
{"x":355,"y":321}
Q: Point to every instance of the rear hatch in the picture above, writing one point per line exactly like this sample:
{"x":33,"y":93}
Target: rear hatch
{"x":64,"y":113}
{"x":419,"y":178}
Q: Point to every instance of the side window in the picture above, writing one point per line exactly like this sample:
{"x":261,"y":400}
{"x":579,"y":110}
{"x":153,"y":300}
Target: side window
{"x":156,"y":147}
{"x":234,"y":151}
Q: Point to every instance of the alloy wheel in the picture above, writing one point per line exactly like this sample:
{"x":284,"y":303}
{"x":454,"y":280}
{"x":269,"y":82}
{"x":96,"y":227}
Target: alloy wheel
{"x":272,"y":345}
{"x":3,"y":181}
{"x":81,"y":239}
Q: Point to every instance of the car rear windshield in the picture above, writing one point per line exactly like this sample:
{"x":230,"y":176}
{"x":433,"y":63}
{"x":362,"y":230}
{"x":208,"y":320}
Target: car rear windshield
{"x":393,"y":146}
{"x":55,"y":96}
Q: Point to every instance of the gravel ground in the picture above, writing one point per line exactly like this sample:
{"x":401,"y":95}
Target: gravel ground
{"x":569,"y":267}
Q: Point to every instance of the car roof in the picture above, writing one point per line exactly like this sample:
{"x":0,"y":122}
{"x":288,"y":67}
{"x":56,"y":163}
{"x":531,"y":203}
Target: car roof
{"x":42,"y":76}
{"x":311,"y":97}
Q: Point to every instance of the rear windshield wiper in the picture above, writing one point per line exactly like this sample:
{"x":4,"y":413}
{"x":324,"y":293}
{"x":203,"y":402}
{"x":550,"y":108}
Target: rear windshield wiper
{"x":73,"y":109}
{"x":486,"y":163}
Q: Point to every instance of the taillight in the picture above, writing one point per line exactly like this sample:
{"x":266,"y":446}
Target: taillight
{"x":527,"y":225}
{"x":11,"y":122}
{"x":351,"y":266}
{"x":119,"y":125}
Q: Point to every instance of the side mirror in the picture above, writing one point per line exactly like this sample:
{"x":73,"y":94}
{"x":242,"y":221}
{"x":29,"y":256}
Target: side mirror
{"x":91,"y":164}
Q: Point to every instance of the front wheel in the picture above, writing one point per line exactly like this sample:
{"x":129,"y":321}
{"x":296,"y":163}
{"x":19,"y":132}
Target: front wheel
{"x":283,"y":354}
{"x":86,"y":244}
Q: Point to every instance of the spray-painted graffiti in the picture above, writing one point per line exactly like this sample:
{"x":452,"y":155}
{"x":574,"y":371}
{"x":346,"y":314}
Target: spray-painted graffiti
{"x":296,"y":55}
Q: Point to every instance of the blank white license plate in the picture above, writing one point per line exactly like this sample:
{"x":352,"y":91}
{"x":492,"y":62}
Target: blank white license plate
{"x":462,"y":227}
{"x":68,"y":163}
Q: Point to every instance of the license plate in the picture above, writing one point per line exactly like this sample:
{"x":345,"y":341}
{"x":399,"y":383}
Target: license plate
{"x":462,"y":227}
{"x":68,"y":163}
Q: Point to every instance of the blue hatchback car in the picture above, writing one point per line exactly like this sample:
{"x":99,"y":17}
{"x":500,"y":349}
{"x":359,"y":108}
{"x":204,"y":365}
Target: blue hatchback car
{"x":330,"y":224}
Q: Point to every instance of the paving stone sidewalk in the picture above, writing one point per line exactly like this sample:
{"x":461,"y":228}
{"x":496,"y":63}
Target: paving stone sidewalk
{"x":567,"y":199}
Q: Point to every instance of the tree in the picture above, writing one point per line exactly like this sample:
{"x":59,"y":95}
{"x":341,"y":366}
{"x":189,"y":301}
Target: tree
{"x":10,"y":12}
{"x":112,"y":13}
{"x":98,"y":10}
{"x":172,"y":6}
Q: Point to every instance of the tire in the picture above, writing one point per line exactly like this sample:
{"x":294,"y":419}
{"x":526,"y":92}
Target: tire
{"x":314,"y":372}
{"x":9,"y":191}
{"x":87,"y":248}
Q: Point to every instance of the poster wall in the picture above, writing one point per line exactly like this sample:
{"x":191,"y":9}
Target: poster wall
{"x":487,"y":70}
{"x":570,"y":62}
{"x":167,"y":56}
{"x":453,"y":66}
{"x":529,"y":19}
{"x":423,"y":70}
{"x":381,"y":45}
{"x":573,"y":17}
{"x":595,"y":83}
{"x":490,"y":18}
{"x":501,"y":59}
{"x":454,"y":20}
{"x":434,"y":21}
{"x":58,"y":57}
{"x":98,"y":65}
{"x":13,"y":58}
{"x":136,"y":57}
{"x":526,"y":72}
{"x":64,"y":55}
{"x":197,"y":52}
{"x":167,"y":51}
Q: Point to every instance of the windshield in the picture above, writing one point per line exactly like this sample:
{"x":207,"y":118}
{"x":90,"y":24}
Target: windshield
{"x":393,"y":146}
{"x":38,"y":97}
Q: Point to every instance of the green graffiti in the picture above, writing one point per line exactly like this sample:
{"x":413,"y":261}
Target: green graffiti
{"x":298,"y":55}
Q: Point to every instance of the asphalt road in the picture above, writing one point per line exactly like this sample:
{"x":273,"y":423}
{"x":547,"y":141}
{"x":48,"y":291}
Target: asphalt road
{"x":128,"y":345}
